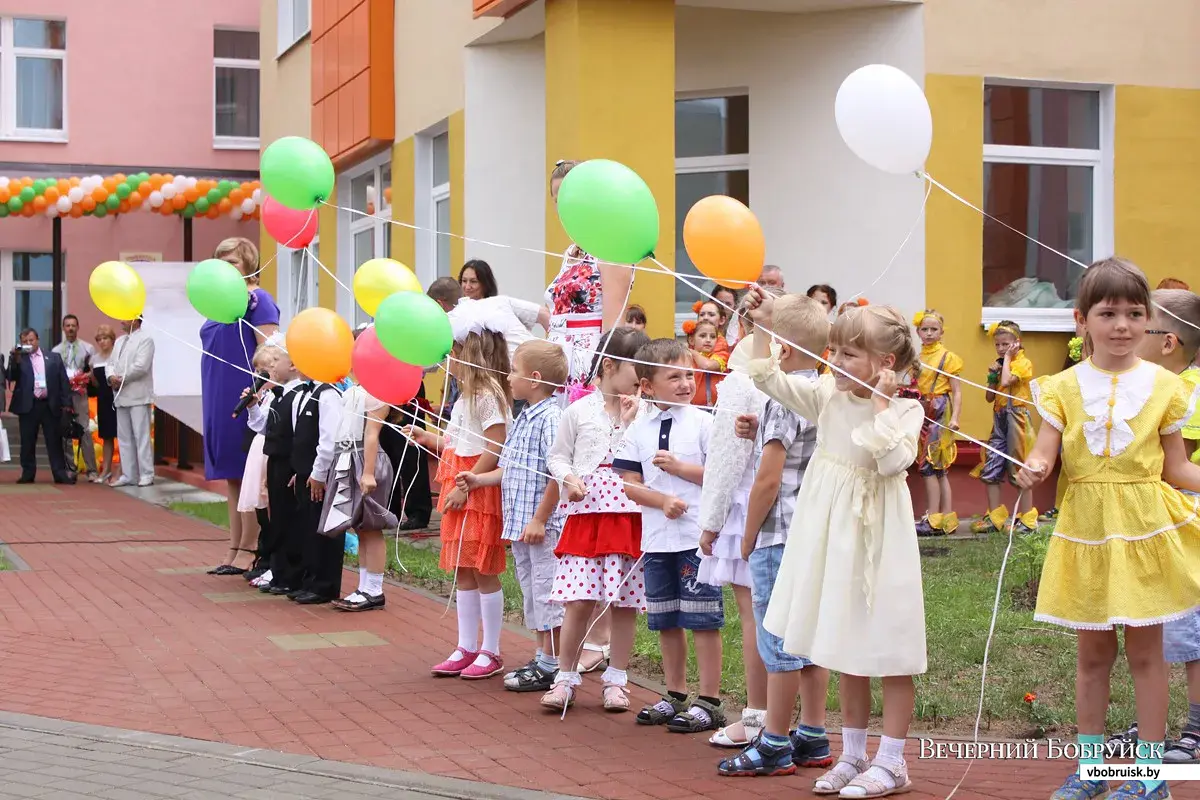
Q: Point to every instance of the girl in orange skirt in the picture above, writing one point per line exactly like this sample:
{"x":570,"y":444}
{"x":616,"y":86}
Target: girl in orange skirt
{"x":471,"y":522}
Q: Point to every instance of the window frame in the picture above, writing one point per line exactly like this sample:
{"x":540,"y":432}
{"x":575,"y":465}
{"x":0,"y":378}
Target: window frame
{"x":693,"y":165}
{"x":9,"y":287}
{"x":351,"y":224}
{"x":236,"y":142}
{"x":287,"y":284}
{"x":9,"y":53}
{"x":426,"y":199}
{"x":1100,"y":160}
{"x":285,"y":26}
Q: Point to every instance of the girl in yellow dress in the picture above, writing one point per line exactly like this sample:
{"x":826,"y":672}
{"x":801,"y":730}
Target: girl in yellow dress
{"x":1126,"y":549}
{"x":942,"y":397}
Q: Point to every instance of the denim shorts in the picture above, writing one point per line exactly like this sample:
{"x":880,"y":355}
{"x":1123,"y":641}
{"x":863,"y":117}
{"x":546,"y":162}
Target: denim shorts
{"x":675,"y":597}
{"x":1181,"y":639}
{"x":764,"y":569}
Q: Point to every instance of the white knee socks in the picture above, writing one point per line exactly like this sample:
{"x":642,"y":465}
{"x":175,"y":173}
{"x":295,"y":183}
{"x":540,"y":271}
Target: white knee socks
{"x":492,"y":611}
{"x":468,"y":620}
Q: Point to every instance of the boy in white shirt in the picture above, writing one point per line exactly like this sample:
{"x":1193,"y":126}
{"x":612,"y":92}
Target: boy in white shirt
{"x":662,"y":461}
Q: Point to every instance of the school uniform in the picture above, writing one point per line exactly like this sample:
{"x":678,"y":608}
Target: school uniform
{"x":318,"y":418}
{"x":277,"y":424}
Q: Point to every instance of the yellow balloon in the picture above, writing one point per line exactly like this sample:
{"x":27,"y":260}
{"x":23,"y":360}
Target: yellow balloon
{"x":117,"y":290}
{"x":380,"y":278}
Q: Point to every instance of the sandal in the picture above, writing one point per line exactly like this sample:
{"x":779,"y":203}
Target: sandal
{"x":605,"y":653}
{"x":616,"y":698}
{"x":358,"y":601}
{"x":839,"y":777}
{"x":662,"y":712}
{"x":530,"y":679}
{"x":561,"y":696}
{"x":523,"y":668}
{"x":752,"y":723}
{"x":872,"y":784}
{"x":700,"y":716}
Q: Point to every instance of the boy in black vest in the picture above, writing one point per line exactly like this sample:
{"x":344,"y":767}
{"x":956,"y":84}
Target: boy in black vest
{"x":317,"y":422}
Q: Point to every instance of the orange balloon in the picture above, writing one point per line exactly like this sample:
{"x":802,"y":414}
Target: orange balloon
{"x":99,"y":194}
{"x":213,"y":212}
{"x":39,"y":203}
{"x":110,"y":185}
{"x":167,"y":209}
{"x":77,"y":211}
{"x":191,"y":195}
{"x":28,"y":210}
{"x":225,"y":206}
{"x":124,"y":207}
{"x":88,"y":203}
{"x":73,"y":181}
{"x":725,"y":241}
{"x":237,"y":196}
{"x":27,"y":181}
{"x":4,"y":195}
{"x":135,"y":200}
{"x":247,"y":188}
{"x":178,"y":202}
{"x":63,"y":186}
{"x":145,"y":188}
{"x":319,"y":343}
{"x":51,"y":193}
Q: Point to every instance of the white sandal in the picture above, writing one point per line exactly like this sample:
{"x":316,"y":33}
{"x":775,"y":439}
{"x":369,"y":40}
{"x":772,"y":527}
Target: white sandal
{"x":868,"y":785}
{"x":753,"y":721}
{"x":837,"y":779}
{"x":602,"y":663}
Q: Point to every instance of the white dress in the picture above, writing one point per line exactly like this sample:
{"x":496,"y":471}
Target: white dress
{"x":726,"y":491}
{"x":849,"y":595}
{"x":253,"y":494}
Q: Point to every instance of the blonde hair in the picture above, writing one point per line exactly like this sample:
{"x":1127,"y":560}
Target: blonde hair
{"x":802,"y":320}
{"x":545,"y":358}
{"x":265,"y":350}
{"x":244,"y":251}
{"x":487,"y":362}
{"x":1185,"y":305}
{"x":881,"y":331}
{"x":105,"y":330}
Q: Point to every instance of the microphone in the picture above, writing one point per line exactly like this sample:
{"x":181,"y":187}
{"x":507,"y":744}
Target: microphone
{"x":259,"y":381}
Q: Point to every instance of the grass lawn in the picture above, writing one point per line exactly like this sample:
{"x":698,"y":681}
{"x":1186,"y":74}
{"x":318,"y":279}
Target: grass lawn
{"x":4,"y":563}
{"x":960,"y":585}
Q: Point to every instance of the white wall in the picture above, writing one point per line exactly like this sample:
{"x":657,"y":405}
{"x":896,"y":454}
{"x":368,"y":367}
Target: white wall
{"x":506,"y":168}
{"x":827,"y":216}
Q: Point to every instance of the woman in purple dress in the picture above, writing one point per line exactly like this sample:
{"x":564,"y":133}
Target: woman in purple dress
{"x":221,"y":387}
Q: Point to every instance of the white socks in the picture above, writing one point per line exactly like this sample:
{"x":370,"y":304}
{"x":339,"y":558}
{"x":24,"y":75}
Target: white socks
{"x":615,"y":677}
{"x":492,"y":608}
{"x":374,"y":584}
{"x":854,"y":742}
{"x":468,"y":620}
{"x":891,"y":752}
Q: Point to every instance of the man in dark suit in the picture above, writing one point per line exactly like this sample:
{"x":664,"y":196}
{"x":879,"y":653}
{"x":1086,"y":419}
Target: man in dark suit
{"x":40,"y":395}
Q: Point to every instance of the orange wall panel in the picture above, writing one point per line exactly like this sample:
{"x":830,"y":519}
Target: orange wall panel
{"x":318,"y":124}
{"x":330,"y":58}
{"x":345,"y":119}
{"x":359,"y":91}
{"x":345,"y":40}
{"x":383,"y":70}
{"x":498,"y":8}
{"x":359,"y":23}
{"x":318,"y":67}
{"x":318,"y":19}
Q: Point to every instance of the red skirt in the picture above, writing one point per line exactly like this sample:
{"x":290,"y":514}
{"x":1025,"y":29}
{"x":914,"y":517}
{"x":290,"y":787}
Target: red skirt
{"x":470,"y":535}
{"x":592,"y":535}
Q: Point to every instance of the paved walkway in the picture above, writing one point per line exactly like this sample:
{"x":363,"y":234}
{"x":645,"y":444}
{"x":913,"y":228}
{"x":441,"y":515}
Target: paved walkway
{"x":114,"y":623}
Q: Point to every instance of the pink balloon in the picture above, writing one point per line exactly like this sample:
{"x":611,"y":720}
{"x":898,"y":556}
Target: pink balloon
{"x":382,"y":375}
{"x":289,"y":227}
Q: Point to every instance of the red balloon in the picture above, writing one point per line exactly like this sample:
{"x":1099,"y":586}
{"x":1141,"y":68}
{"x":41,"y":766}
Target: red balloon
{"x":383,"y":376}
{"x":288,"y":226}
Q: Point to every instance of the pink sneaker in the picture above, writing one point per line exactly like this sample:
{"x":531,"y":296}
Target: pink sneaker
{"x":452,"y":667}
{"x":494,"y":666}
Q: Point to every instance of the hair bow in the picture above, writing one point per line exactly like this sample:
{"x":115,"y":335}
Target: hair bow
{"x":689,"y":327}
{"x":473,"y":316}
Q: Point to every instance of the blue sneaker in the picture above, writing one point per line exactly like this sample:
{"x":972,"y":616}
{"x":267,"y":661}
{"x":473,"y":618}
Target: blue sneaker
{"x":810,"y":751}
{"x":1075,"y":789}
{"x":759,"y":759}
{"x":1136,"y":789}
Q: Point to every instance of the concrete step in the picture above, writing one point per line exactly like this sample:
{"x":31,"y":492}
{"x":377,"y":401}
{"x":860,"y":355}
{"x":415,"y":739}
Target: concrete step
{"x":12,"y":426}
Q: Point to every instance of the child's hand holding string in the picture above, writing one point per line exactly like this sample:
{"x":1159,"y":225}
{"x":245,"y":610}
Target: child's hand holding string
{"x":418,"y":435}
{"x":466,"y":480}
{"x":746,"y":426}
{"x":886,"y":384}
{"x":575,"y":490}
{"x":456,"y":500}
{"x":674,"y":508}
{"x":1034,"y":472}
{"x":630,"y":403}
{"x":760,"y":305}
{"x":706,"y":542}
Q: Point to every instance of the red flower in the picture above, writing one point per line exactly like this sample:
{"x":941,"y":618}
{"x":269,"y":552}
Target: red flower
{"x":1030,"y":697}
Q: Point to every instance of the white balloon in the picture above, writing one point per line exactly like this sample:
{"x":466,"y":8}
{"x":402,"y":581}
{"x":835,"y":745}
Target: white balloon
{"x":3,"y":183}
{"x":181,"y":183}
{"x":51,"y":212}
{"x":156,"y":198}
{"x":169,"y":190}
{"x":236,"y":213}
{"x":248,"y":206}
{"x":883,"y":116}
{"x":75,"y":194}
{"x":257,"y":197}
{"x":64,"y":204}
{"x":191,"y":183}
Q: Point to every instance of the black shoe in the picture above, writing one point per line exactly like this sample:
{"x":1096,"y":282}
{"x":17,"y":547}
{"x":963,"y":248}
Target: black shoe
{"x":254,"y":574}
{"x":295,"y":593}
{"x":228,"y":569}
{"x":25,"y":479}
{"x":273,"y":589}
{"x":1123,"y":744}
{"x":414,"y":524}
{"x":367,"y":603}
{"x":312,"y":599}
{"x":64,"y":479}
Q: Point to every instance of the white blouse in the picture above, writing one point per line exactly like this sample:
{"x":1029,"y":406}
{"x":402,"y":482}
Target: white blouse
{"x":468,"y":421}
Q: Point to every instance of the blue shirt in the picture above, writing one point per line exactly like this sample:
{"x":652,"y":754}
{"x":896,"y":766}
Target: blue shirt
{"x":524,"y":461}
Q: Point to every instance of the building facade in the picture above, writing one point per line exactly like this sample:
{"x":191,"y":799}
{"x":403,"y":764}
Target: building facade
{"x":1069,"y":120}
{"x":86,"y":90}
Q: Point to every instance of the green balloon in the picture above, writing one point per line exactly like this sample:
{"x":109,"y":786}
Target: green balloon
{"x":217,"y":290}
{"x":609,"y":211}
{"x":414,"y":329}
{"x":27,"y":194}
{"x":100,"y":211}
{"x":224,"y":187}
{"x":189,"y":211}
{"x":39,"y":186}
{"x":3,"y":210}
{"x":123,"y":191}
{"x":214,"y":195}
{"x":15,"y":204}
{"x":297,"y":172}
{"x":113,"y":202}
{"x":202,"y":205}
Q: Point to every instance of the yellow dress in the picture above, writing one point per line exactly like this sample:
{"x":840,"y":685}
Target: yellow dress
{"x":1126,"y":549}
{"x":938,"y":448}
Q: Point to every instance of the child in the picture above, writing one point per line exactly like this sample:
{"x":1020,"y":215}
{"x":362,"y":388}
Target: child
{"x":824,"y":294}
{"x":318,"y":419}
{"x":1174,"y":347}
{"x":471,"y":520}
{"x":602,"y":535}
{"x":1012,"y":430}
{"x":728,"y":300}
{"x":784,"y":446}
{"x":358,"y":486}
{"x":662,"y":461}
{"x":1126,"y":548}
{"x":533,"y":517}
{"x":723,"y":502}
{"x":635,"y":317}
{"x":706,"y":357}
{"x":942,"y":397}
{"x":857,"y":513}
{"x":277,"y":425}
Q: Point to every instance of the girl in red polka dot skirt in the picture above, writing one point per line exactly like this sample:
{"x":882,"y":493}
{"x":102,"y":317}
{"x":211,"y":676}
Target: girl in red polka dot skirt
{"x":599,"y":550}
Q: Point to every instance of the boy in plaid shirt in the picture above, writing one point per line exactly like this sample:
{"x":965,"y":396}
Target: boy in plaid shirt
{"x":533,"y":517}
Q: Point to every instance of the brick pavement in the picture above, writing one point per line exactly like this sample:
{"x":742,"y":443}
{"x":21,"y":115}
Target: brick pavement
{"x":115,"y":624}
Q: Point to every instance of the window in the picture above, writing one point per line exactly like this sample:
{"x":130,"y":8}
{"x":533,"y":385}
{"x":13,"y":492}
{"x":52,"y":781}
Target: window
{"x":440,"y":198}
{"x":298,"y":287}
{"x":432,"y":205}
{"x":26,"y":297}
{"x":295,"y":21}
{"x":33,"y":67}
{"x":368,"y":232}
{"x":235,"y":59}
{"x":1047,"y":172}
{"x":712,"y":156}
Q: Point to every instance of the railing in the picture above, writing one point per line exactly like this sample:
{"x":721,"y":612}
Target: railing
{"x":175,"y":442}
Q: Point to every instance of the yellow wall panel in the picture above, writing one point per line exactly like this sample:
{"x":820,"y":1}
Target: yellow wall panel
{"x":404,"y":240}
{"x":327,"y":219}
{"x":267,"y":250}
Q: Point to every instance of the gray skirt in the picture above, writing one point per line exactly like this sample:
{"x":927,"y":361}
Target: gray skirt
{"x":345,"y":507}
